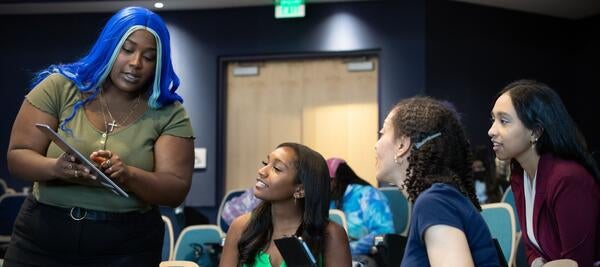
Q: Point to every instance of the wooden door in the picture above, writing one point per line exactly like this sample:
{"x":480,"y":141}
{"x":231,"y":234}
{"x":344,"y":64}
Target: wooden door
{"x":316,"y":102}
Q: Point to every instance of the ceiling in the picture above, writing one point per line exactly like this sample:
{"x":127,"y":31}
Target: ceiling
{"x":88,"y":6}
{"x":571,"y":9}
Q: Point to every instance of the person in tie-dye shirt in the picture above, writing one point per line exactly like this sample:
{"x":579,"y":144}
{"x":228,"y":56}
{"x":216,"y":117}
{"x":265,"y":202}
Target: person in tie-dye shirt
{"x":367,"y":210}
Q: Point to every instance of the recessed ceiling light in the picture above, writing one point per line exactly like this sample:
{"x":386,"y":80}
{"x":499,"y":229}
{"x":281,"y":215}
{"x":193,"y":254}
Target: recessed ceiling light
{"x":159,"y":5}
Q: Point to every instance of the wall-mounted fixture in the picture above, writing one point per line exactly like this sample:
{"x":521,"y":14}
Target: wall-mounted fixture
{"x":359,"y":64}
{"x":245,"y":70}
{"x":289,"y":9}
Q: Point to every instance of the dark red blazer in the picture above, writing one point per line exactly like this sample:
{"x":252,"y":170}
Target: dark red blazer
{"x":566,"y":212}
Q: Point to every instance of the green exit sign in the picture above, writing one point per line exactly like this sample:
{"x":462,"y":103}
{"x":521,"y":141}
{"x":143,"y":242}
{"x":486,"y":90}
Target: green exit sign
{"x":289,"y":8}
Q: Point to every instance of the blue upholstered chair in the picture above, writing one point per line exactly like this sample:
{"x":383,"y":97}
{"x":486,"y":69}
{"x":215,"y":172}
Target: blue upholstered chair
{"x":197,"y":238}
{"x":228,"y":196}
{"x":520,"y":257}
{"x":500,"y":220}
{"x":509,"y":199}
{"x":168,"y":242}
{"x":400,"y":207}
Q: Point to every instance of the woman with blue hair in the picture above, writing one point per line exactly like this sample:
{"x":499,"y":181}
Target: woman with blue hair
{"x":118,"y":105}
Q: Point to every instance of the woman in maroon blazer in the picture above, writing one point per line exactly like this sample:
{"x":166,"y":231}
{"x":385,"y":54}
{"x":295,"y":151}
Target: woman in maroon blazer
{"x":554,"y":178}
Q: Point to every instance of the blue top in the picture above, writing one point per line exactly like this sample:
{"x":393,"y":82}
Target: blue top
{"x":444,"y":204}
{"x":368,"y":214}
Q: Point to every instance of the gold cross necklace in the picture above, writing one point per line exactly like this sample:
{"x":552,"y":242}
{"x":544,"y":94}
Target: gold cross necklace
{"x":113,"y":124}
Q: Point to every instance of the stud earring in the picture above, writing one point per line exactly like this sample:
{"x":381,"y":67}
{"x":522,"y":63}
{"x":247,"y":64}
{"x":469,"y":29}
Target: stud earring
{"x":396,"y":159}
{"x":534,"y":141}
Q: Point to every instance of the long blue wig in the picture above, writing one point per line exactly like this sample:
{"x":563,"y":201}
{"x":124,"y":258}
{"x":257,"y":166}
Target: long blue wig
{"x":90,"y":72}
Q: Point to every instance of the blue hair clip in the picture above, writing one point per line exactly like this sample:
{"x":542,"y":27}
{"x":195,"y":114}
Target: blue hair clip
{"x":427,"y":139}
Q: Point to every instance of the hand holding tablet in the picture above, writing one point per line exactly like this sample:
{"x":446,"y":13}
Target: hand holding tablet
{"x":102,"y":179}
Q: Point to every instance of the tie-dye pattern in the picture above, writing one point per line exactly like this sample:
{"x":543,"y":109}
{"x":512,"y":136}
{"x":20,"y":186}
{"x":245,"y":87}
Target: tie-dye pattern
{"x":368,"y":214}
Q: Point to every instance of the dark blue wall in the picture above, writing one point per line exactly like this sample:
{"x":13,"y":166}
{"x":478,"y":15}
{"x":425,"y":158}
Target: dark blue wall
{"x":394,"y":28}
{"x":199,"y":38}
{"x":586,"y":69}
{"x":460,"y":52}
{"x":30,"y":43}
{"x":473,"y":51}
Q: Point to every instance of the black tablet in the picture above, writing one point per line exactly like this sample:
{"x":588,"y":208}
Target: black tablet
{"x":295,"y":252}
{"x":101,"y":177}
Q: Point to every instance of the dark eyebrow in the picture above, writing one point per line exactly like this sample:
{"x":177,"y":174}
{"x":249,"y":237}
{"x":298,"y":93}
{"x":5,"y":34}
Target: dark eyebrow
{"x":284,"y":164}
{"x":128,"y":40}
{"x":277,"y":160}
{"x":501,"y":113}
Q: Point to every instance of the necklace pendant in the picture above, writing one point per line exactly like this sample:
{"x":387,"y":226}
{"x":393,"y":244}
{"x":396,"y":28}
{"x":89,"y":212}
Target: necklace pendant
{"x":112,"y":125}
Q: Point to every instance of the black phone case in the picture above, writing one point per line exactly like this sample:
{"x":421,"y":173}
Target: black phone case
{"x":295,"y":252}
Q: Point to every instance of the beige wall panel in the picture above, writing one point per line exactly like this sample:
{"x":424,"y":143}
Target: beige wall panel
{"x":262,"y":112}
{"x":314,"y":102}
{"x":340,"y":113}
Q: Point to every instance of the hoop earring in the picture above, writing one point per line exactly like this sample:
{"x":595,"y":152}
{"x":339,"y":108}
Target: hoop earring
{"x":295,"y":200}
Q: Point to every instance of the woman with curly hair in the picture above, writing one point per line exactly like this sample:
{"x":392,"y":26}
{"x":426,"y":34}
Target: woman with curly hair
{"x":293,"y":185}
{"x":424,"y":151}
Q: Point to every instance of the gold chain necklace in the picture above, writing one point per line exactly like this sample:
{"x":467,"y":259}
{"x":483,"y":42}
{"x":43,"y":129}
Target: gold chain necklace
{"x":113,"y":124}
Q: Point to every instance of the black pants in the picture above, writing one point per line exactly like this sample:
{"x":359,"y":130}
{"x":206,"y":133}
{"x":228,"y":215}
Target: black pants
{"x":46,"y":235}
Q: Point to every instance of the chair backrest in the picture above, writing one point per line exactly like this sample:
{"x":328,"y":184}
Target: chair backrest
{"x":520,"y":254}
{"x":509,"y":198}
{"x":168,"y":242}
{"x":196,"y":234}
{"x":177,"y":219}
{"x":178,"y":264}
{"x":228,"y":196}
{"x":10,"y":204}
{"x":400,"y":207}
{"x":500,"y":254}
{"x":338,"y":216}
{"x":3,"y":187}
{"x":500,"y":220}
